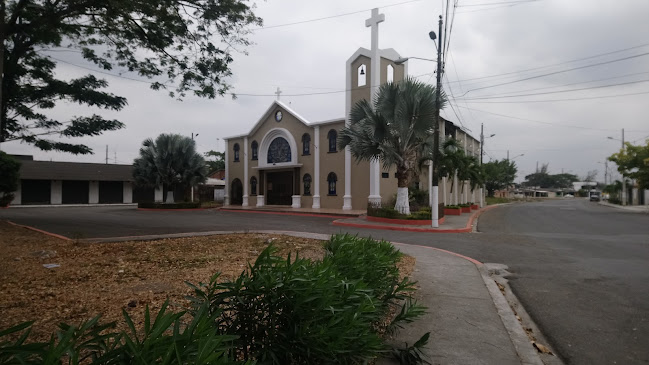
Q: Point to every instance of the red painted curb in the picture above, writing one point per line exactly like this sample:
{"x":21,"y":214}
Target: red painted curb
{"x":467,"y":228}
{"x":474,"y":261}
{"x":286,"y":213}
{"x":410,"y":222}
{"x":40,"y":231}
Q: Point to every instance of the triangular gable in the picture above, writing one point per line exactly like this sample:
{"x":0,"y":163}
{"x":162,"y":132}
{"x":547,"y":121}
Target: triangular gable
{"x":270,"y":109}
{"x":388,"y":53}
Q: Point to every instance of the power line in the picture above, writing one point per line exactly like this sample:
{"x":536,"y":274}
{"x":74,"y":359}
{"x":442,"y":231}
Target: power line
{"x":499,"y":3}
{"x":333,"y":16}
{"x":556,"y":100}
{"x":556,"y":92}
{"x":556,"y":64}
{"x":558,"y":124}
{"x":559,"y":72}
{"x":571,"y":84}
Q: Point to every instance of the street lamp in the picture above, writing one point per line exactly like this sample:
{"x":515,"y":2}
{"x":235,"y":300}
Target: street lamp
{"x":623,"y":180}
{"x":521,"y":155}
{"x":404,"y":59}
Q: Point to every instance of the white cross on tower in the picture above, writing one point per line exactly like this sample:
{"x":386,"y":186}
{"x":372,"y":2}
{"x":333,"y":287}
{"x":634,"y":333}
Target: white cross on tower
{"x":278,"y":92}
{"x":375,"y":81}
{"x":374,"y":23}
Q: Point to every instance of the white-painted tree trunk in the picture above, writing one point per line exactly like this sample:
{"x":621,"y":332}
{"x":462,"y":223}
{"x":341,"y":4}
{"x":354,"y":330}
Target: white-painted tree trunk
{"x":170,"y":197}
{"x":403,"y":204}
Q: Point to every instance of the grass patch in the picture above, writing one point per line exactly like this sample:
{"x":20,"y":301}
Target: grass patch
{"x":491,"y":200}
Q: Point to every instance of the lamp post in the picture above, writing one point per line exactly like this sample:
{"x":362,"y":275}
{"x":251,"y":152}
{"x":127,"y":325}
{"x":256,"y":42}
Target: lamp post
{"x":438,"y":87}
{"x":623,"y":180}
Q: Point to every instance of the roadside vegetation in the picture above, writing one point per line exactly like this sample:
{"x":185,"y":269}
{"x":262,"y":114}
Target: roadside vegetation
{"x":277,"y":300}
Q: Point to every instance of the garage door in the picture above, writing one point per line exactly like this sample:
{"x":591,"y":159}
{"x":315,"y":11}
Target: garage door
{"x":35,"y":191}
{"x":74,"y":192}
{"x":111,"y":192}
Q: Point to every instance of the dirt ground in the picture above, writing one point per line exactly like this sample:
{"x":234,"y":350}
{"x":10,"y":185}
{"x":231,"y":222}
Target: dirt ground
{"x":106,"y":278}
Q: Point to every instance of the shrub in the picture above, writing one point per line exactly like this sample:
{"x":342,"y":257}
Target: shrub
{"x":384,"y":211}
{"x":181,"y":205}
{"x":298,"y":311}
{"x":453,"y":206}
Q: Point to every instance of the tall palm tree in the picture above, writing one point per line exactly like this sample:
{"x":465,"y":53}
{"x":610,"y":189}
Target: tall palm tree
{"x":471,"y":173}
{"x":451,"y":160}
{"x":171,"y":161}
{"x":395,"y":129}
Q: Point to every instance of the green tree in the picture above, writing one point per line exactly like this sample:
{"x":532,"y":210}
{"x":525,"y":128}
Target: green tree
{"x":633,"y":162}
{"x":163,"y":40}
{"x":171,"y":161}
{"x":395,"y":128}
{"x":217,"y":164}
{"x":499,"y":174}
{"x":9,"y":178}
{"x":451,"y":161}
{"x":472,"y":172}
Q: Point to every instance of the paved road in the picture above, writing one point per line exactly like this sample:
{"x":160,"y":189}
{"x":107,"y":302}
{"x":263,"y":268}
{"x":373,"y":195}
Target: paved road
{"x":580,"y":269}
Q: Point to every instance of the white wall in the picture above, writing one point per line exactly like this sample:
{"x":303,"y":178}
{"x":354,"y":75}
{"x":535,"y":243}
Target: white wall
{"x":127,"y":196}
{"x":17,"y":196}
{"x":93,"y":192}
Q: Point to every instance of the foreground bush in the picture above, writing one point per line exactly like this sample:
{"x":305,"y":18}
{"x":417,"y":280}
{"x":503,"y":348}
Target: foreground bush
{"x":278,"y":311}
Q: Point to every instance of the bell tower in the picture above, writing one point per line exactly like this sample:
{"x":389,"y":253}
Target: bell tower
{"x":366,"y":70}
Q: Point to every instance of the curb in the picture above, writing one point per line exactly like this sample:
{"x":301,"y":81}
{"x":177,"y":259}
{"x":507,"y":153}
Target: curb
{"x":40,"y":231}
{"x":517,"y":335}
{"x":321,"y":215}
{"x":467,"y":228}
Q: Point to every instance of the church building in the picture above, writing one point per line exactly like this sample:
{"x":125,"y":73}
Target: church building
{"x":288,"y":160}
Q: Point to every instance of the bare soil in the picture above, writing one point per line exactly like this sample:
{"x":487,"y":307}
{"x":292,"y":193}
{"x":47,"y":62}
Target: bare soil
{"x":106,"y":278}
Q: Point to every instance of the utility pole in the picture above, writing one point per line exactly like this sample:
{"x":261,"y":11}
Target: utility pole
{"x":481,"y":141}
{"x":605,"y":172}
{"x":507,"y":155}
{"x":192,"y":189}
{"x":624,"y":196}
{"x":438,"y":90}
{"x":106,"y":154}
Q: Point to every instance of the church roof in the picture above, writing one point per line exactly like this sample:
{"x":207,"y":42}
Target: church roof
{"x":288,"y":109}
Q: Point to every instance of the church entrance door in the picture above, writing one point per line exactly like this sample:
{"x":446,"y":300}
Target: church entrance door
{"x":279,"y":188}
{"x":236,"y":192}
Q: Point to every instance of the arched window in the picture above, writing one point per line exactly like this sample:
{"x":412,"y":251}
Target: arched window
{"x":390,"y":73}
{"x":331,"y":182}
{"x":306,"y":144}
{"x":253,"y":186}
{"x":307,"y":184}
{"x":236,"y":152}
{"x":279,"y":151}
{"x":332,"y":136}
{"x":362,"y":75}
{"x":255,"y":148}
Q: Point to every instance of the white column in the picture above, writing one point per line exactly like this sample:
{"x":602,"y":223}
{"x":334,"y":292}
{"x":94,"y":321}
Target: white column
{"x":226,"y":198}
{"x":245,"y":172}
{"x":316,"y":168}
{"x":93,"y":192}
{"x":157,"y":194}
{"x":127,"y":192}
{"x":56,"y":192}
{"x":17,"y":195}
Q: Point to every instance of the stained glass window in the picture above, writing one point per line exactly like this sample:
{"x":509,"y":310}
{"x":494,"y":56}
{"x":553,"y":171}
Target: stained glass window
{"x":236,"y":152}
{"x":331,"y":181}
{"x":307,"y":184}
{"x":255,"y":148}
{"x":253,"y":186}
{"x":306,"y":144}
{"x":332,"y":136}
{"x":279,"y":151}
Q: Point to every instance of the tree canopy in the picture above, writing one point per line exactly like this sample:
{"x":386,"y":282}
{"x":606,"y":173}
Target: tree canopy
{"x":396,"y":128}
{"x":499,"y":174}
{"x":633,"y":162}
{"x":544,"y":179}
{"x":9,"y":178}
{"x":182,"y":45}
{"x":171,"y":161}
{"x":218,"y":163}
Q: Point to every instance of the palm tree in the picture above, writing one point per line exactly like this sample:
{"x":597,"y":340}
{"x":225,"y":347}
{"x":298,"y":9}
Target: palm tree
{"x":395,"y":129}
{"x":171,"y":161}
{"x":472,"y":173}
{"x":451,"y":160}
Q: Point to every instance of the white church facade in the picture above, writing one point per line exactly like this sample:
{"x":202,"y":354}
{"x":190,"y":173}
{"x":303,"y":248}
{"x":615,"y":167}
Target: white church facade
{"x":288,"y":160}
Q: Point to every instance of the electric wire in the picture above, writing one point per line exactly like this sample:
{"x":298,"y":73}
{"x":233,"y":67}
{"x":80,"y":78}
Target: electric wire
{"x":557,"y":100}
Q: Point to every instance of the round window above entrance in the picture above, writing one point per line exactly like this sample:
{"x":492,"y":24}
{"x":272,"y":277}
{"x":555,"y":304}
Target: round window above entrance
{"x":279,"y":151}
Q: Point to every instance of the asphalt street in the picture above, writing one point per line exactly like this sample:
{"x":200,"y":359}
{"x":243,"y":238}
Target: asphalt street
{"x":580,"y":269}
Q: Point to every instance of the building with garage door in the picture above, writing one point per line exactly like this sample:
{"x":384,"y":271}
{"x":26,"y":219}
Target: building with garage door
{"x":48,"y":182}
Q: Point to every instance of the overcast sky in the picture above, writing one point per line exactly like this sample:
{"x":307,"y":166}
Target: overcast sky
{"x":486,"y":40}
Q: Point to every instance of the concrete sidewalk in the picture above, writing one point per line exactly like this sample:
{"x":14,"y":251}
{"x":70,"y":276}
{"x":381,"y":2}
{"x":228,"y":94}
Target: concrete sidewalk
{"x":628,"y":208}
{"x":469,"y":320}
